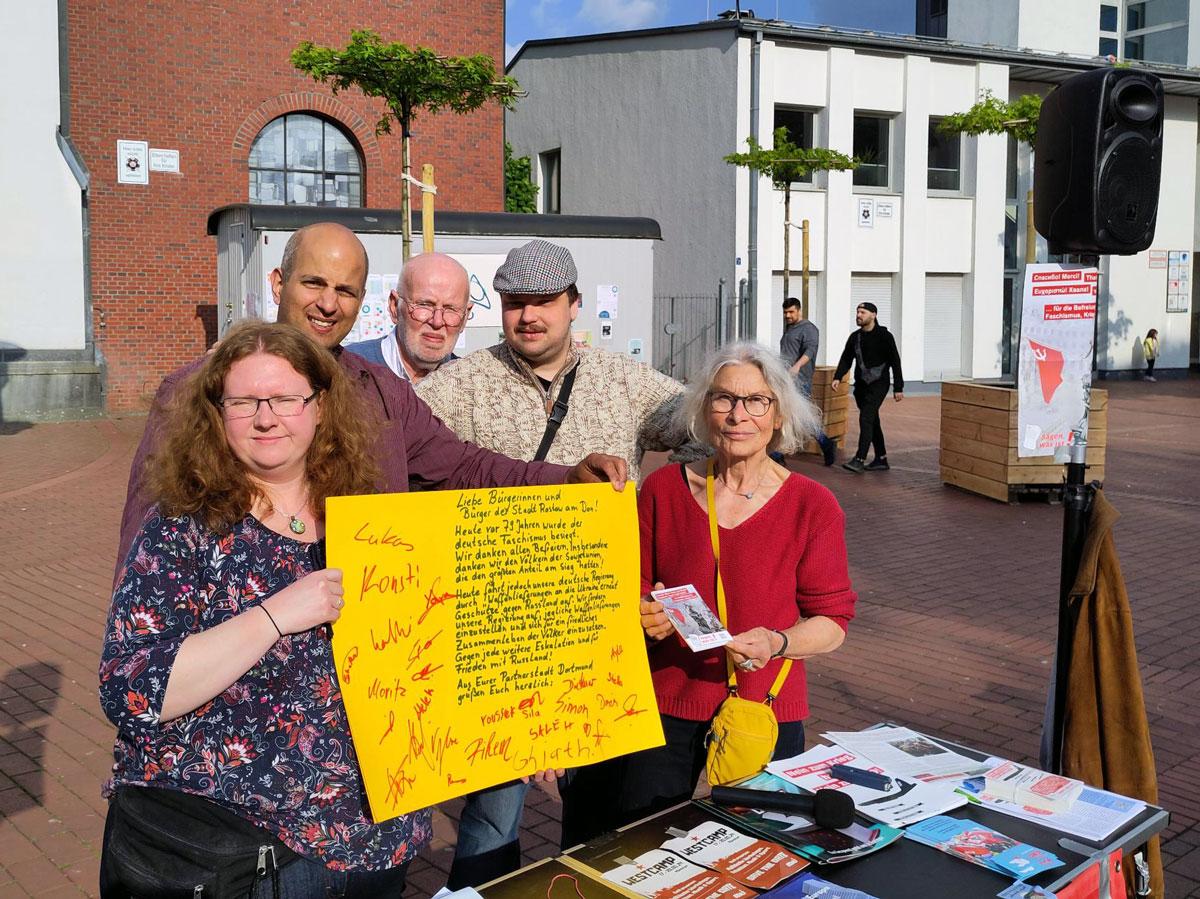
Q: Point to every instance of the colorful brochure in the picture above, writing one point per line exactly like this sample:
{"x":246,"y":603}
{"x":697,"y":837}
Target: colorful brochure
{"x":692,"y":618}
{"x":755,"y":863}
{"x":810,"y":886}
{"x":659,"y":874}
{"x":899,"y":804}
{"x":1031,"y":788}
{"x":981,"y":845}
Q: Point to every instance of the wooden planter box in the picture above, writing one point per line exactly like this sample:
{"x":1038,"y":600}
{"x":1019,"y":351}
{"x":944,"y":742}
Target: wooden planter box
{"x":979,"y":442}
{"x":834,"y":407}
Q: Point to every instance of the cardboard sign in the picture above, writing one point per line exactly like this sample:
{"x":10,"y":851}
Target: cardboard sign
{"x":487,"y":635}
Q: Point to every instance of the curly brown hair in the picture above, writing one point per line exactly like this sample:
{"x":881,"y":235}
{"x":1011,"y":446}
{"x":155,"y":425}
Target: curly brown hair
{"x":194,"y":472}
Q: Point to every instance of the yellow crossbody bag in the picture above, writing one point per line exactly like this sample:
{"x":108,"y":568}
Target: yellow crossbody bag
{"x":741,"y":738}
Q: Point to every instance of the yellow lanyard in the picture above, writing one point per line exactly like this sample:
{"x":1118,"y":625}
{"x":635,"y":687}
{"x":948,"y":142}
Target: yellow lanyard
{"x":710,"y":492}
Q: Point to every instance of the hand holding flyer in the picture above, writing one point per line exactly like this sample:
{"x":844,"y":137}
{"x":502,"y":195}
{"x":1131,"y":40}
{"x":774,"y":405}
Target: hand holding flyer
{"x":691,"y":618}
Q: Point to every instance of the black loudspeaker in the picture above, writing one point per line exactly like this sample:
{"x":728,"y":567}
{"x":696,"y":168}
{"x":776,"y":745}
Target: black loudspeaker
{"x":1097,"y":162}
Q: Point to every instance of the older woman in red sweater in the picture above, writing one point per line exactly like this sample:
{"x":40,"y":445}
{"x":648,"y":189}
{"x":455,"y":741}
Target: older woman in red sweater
{"x":783,"y":566}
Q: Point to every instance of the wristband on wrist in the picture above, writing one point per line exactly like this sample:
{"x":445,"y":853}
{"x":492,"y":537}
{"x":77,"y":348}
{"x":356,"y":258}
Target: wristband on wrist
{"x":783,"y":648}
{"x":273,"y":624}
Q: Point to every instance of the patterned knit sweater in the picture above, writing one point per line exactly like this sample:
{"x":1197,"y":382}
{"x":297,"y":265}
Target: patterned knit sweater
{"x":618,"y":405}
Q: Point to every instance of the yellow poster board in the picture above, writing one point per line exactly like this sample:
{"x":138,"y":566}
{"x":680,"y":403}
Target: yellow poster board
{"x":487,"y":635}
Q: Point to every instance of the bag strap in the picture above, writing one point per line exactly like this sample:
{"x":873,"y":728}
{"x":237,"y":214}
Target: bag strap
{"x":862,"y":363}
{"x":557,"y":414}
{"x":714,"y":534}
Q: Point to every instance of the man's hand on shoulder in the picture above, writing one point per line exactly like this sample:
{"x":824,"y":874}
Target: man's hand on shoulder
{"x":597,"y":467}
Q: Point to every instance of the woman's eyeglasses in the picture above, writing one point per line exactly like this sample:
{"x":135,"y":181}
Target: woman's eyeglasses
{"x":423,"y":312}
{"x":755,"y":404}
{"x":247,"y":406}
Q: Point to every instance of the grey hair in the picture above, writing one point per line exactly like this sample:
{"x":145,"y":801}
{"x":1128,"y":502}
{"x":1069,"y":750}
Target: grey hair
{"x":800,"y":418}
{"x":288,"y":263}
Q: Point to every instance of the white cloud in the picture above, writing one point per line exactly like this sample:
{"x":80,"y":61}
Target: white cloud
{"x":619,"y":14}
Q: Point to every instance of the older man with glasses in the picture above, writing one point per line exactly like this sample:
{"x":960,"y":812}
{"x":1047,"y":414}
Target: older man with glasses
{"x":430,"y":309}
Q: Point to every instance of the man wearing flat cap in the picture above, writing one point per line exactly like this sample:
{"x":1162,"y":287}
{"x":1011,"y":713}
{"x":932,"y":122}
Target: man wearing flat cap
{"x":872,"y":349}
{"x":538,"y":396}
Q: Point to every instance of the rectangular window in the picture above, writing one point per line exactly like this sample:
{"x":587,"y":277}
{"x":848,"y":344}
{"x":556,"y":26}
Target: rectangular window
{"x":1108,"y":17}
{"x":551,"y":171}
{"x":945,"y":159}
{"x":872,"y":147}
{"x":1108,"y":46}
{"x":799,"y":125}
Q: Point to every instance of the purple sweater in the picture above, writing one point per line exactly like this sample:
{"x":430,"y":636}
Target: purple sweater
{"x":413,"y":445}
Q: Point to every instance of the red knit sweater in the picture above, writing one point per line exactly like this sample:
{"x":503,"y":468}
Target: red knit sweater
{"x":788,"y":558}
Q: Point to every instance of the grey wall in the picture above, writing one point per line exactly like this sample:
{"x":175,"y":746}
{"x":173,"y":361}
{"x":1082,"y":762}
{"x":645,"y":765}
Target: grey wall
{"x":648,"y":144}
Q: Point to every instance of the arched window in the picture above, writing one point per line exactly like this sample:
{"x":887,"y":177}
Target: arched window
{"x":300,"y":159}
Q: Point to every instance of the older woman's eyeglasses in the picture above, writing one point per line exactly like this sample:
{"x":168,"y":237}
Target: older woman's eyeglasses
{"x":756,"y":404}
{"x":423,"y":312}
{"x":247,"y":406}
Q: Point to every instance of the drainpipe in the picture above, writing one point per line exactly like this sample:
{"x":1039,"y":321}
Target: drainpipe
{"x":78,"y":169}
{"x":750,"y":313}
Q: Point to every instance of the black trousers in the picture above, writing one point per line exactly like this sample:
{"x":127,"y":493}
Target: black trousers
{"x":869,"y":398}
{"x":611,"y":794}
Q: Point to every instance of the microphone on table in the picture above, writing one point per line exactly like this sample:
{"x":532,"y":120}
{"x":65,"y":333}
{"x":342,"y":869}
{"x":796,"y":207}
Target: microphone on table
{"x":830,"y":809}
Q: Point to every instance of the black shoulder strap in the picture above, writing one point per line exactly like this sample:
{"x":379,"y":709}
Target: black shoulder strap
{"x":862,"y":363}
{"x":557,"y":414}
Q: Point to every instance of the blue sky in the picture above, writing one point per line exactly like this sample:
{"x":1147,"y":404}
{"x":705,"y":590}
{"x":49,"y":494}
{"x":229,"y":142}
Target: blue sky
{"x":531,"y":19}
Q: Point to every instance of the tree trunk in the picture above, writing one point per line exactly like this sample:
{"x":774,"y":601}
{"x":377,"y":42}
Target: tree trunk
{"x":405,"y":200}
{"x":787,"y":236}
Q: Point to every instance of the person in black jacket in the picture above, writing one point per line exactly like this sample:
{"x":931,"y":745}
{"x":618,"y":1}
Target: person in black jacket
{"x":873,"y":350}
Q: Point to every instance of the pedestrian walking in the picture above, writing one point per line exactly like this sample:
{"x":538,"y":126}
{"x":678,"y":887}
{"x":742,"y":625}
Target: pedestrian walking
{"x":798,"y":346}
{"x":872,"y":349}
{"x":1150,"y":351}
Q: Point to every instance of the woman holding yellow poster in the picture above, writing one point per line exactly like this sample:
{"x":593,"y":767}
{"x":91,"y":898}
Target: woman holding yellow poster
{"x":235,"y":771}
{"x":782,"y":587}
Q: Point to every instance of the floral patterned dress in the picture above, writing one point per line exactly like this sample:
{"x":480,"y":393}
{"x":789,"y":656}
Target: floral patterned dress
{"x":275,"y":747}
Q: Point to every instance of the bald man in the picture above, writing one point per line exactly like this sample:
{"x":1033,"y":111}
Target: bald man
{"x":430,"y":310}
{"x":319,"y":288}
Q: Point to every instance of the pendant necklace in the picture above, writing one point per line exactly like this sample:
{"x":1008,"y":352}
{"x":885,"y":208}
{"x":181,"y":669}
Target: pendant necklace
{"x":295,"y":524}
{"x":749,"y":495}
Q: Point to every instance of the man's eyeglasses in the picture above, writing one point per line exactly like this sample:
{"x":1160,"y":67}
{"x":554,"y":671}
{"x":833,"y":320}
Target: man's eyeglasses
{"x":423,"y":312}
{"x":247,"y":406}
{"x":755,"y":404}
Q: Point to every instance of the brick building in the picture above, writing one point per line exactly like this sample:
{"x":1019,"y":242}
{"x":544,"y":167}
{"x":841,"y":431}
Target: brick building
{"x":124,"y":272}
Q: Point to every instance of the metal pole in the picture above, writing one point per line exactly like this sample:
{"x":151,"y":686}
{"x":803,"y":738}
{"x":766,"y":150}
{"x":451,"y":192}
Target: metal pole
{"x":720,"y":328}
{"x":1077,"y":507}
{"x":752,"y":248}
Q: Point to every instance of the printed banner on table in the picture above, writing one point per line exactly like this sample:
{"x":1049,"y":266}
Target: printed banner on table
{"x":488,"y":634}
{"x":1058,"y":318}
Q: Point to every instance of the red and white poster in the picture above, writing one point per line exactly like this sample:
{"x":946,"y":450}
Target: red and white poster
{"x":1058,"y":319}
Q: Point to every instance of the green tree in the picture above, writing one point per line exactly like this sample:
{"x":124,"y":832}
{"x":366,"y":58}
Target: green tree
{"x":785,"y":163}
{"x":520,"y":193}
{"x":407,"y":79}
{"x":991,"y":115}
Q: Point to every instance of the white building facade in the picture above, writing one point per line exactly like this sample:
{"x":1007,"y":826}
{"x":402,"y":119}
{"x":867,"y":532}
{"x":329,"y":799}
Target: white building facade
{"x":929,"y":228}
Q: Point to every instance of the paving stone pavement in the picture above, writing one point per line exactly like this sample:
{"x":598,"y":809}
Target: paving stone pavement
{"x":955,"y":628}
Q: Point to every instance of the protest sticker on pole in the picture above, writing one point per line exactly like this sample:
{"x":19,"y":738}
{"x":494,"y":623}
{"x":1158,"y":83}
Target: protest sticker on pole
{"x":487,"y":635}
{"x":1055,"y":376}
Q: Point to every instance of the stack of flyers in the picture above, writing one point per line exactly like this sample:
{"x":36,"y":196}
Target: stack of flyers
{"x":810,"y":886}
{"x":1031,"y":788}
{"x":907,"y":753}
{"x":898,"y":804}
{"x":1095,"y":815}
{"x":821,"y":845}
{"x":659,"y":874}
{"x":983,"y":846}
{"x":756,"y":863}
{"x":694,"y":620}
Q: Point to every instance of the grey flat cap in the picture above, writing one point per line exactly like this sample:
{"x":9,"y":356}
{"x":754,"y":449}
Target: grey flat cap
{"x":538,"y":267}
